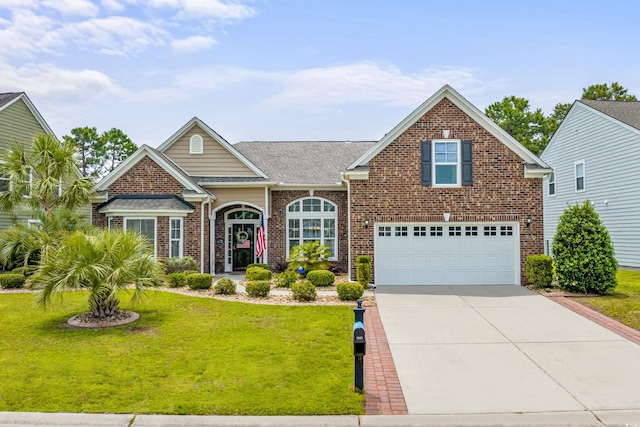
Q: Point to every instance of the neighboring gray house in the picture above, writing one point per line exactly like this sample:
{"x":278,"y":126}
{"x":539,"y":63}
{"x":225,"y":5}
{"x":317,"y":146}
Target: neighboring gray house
{"x":595,"y":155}
{"x":19,"y":121}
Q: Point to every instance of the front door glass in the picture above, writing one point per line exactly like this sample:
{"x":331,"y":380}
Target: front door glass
{"x":242,"y":246}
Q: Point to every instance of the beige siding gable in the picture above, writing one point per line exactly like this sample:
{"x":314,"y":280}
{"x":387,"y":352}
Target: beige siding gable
{"x":215,"y":160}
{"x":253,"y":195}
{"x":17,"y":123}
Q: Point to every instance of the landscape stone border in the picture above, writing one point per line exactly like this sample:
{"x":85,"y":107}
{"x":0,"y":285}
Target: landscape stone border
{"x":75,"y":321}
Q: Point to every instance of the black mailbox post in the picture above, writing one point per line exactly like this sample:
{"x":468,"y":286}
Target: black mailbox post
{"x":359,"y":346}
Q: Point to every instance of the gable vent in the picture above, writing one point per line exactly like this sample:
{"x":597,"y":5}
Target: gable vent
{"x":195,"y":144}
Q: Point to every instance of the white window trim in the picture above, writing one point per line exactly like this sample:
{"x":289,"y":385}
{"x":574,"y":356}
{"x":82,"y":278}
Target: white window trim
{"x":555,"y":184}
{"x":321,"y":215}
{"x":155,"y":229}
{"x":180,"y":239}
{"x":458,"y":163}
{"x":575,"y":176}
{"x":194,"y":149}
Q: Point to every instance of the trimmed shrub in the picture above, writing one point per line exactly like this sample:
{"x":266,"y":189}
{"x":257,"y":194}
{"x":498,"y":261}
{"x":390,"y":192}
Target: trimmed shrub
{"x":583,"y":252}
{"x":363,"y":270}
{"x":258,"y":288}
{"x":303,"y":290}
{"x":321,"y":277}
{"x":259,"y":264}
{"x":177,"y":280}
{"x":177,"y":264}
{"x":225,"y":287}
{"x":257,"y":273}
{"x":190,"y":272}
{"x":20,"y":270}
{"x":539,"y":270}
{"x":285,"y":279}
{"x":12,"y":281}
{"x":350,"y":291}
{"x":199,"y":281}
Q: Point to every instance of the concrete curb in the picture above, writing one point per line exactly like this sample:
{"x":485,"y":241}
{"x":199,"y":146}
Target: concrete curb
{"x":623,"y":418}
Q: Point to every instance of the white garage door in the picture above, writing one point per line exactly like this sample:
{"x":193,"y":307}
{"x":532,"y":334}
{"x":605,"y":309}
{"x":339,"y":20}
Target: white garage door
{"x":447,"y":254}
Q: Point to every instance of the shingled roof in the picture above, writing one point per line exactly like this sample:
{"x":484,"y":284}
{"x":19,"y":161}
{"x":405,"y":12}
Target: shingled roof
{"x":303,"y":162}
{"x":5,"y":98}
{"x":626,"y":111}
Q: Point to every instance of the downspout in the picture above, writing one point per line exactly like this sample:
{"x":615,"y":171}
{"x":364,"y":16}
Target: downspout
{"x":202,"y":236}
{"x":265,"y":258}
{"x":348,"y":225}
{"x":212,"y":240}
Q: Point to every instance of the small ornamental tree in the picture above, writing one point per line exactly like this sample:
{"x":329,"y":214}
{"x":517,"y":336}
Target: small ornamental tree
{"x":583,"y":252}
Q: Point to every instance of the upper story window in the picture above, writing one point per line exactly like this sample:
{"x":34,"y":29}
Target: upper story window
{"x":196,"y":144}
{"x":446,"y":167}
{"x":552,"y":184}
{"x":580,"y":175}
{"x":312,"y":219}
{"x":446,"y":163}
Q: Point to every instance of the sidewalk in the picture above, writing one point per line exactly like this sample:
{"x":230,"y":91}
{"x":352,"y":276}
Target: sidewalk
{"x":567,"y":419}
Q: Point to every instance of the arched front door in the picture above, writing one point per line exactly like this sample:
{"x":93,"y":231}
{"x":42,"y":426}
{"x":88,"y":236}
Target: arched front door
{"x":241,"y":227}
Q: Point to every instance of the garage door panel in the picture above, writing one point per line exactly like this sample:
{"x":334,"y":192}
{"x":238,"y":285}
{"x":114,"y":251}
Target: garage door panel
{"x":472,"y":253}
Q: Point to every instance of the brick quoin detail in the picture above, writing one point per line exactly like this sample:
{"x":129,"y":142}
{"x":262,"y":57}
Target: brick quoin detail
{"x":147,"y":177}
{"x":277,"y":239}
{"x":393,"y":192}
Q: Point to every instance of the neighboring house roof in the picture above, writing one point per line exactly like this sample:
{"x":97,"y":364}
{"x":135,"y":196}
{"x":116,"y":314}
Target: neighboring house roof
{"x":146,"y":202}
{"x":448,"y":92}
{"x":627,"y":112}
{"x":8,"y":98}
{"x":304,"y":162}
{"x":162,"y":160}
{"x":213,"y":134}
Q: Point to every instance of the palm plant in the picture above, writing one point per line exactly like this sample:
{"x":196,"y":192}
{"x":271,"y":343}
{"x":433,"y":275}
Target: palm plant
{"x":43,"y":184}
{"x":310,"y":256}
{"x":23,"y":243}
{"x":102,"y":262}
{"x":42,"y":176}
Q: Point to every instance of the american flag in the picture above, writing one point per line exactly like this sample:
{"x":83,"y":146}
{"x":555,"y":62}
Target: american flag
{"x":261,"y":243}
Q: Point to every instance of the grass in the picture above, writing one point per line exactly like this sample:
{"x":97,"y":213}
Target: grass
{"x":624,"y":304}
{"x":185,"y":355}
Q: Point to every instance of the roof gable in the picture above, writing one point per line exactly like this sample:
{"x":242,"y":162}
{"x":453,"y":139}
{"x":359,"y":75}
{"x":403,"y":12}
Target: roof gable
{"x":448,"y":92}
{"x":164,"y":162}
{"x":165,"y":147}
{"x":8,"y":99}
{"x":627,"y":112}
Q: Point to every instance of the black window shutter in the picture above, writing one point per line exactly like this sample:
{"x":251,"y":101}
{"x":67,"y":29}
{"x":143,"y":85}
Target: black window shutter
{"x":467,"y":164}
{"x":425,"y":163}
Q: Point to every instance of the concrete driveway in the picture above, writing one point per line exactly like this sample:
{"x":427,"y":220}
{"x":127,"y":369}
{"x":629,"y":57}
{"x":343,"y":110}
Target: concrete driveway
{"x":504,"y":349}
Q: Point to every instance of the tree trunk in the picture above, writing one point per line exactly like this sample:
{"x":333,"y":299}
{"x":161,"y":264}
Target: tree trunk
{"x":104,"y":307}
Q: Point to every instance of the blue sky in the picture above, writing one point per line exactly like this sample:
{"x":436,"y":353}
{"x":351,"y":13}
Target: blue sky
{"x":302,"y":70}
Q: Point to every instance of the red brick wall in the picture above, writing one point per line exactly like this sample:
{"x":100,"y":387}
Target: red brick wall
{"x":277,"y":239}
{"x":147,"y":177}
{"x":499,"y":192}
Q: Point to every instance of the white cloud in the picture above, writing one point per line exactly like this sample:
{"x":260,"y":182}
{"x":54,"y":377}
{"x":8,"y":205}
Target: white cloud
{"x":193,"y":44}
{"x":217,"y":10}
{"x":28,"y":33}
{"x":115,"y":35}
{"x":361,"y":82}
{"x":57,"y":84}
{"x":112,"y":5}
{"x":72,"y":7}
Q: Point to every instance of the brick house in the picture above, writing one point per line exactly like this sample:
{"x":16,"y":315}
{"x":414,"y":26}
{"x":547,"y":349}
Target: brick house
{"x":446,"y":197}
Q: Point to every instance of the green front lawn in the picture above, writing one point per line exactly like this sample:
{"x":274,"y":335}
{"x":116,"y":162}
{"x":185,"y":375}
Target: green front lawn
{"x":185,"y":355}
{"x":624,"y":304}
